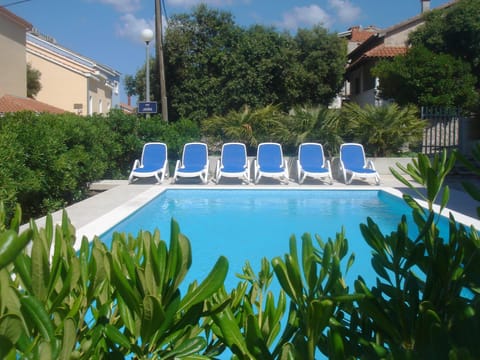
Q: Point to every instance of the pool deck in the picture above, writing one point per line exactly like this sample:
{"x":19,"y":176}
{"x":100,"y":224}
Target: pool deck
{"x":116,"y":199}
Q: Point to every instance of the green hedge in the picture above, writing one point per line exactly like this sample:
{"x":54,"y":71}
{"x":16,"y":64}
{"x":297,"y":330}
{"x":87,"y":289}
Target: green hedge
{"x":48,"y":161}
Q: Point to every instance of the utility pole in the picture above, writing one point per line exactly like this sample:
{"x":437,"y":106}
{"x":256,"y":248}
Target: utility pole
{"x":160,"y":64}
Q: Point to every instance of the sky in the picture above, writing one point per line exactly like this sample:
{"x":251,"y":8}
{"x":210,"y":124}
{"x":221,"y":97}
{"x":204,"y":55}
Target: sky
{"x":109,"y":31}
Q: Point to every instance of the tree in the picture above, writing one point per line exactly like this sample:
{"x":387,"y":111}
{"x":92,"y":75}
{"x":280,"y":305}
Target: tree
{"x":214,"y":66}
{"x":256,"y":69}
{"x":453,"y":31}
{"x":315,"y":75}
{"x":427,"y":78}
{"x":33,"y":81}
{"x":197,"y":47}
{"x":442,"y":67}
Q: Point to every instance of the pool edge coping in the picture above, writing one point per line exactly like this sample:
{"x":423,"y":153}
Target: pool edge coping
{"x":105,"y":222}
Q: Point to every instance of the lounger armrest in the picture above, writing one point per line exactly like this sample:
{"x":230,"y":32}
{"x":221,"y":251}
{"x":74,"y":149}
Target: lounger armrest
{"x":328,"y":165}
{"x":370,"y":165}
{"x":285,"y":166}
{"x":136,"y":164}
{"x":177,"y":165}
{"x":166,"y":169}
{"x":217,"y":171}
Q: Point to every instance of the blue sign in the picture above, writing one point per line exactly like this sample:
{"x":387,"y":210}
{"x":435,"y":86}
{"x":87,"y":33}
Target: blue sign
{"x":147,"y":107}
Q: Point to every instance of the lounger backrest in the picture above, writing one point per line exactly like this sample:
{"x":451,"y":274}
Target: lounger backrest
{"x":270,"y":155}
{"x":234,"y":155}
{"x":310,"y":154}
{"x":195,"y":155}
{"x":154,"y":154}
{"x":352,"y":155}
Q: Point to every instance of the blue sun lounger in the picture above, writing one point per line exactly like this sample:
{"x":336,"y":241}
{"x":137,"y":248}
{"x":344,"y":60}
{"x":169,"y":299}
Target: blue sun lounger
{"x":233,"y":162}
{"x":311,"y":162}
{"x":194,"y":162}
{"x":154,"y":162}
{"x":270,"y":162}
{"x":354,"y":164}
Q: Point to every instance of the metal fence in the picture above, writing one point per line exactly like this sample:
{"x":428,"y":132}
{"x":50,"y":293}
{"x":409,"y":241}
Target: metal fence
{"x":444,"y":129}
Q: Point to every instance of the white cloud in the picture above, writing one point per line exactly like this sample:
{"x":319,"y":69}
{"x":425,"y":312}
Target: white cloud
{"x":346,"y":12}
{"x":306,"y":16}
{"x":131,"y":27}
{"x":123,"y":6}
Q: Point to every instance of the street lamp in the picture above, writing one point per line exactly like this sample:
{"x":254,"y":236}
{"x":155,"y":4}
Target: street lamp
{"x":147,"y":36}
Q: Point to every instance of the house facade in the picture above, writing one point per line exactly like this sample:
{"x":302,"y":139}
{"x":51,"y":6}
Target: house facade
{"x":71,"y":81}
{"x":368,"y":46}
{"x":13,"y":64}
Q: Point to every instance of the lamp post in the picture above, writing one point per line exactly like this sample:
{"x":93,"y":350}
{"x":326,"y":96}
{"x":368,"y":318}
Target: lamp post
{"x":147,"y":36}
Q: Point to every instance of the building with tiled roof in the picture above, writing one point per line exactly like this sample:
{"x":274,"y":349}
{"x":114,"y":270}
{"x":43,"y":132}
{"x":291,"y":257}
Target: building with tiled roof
{"x":13,"y":64}
{"x":361,"y":87}
{"x":12,"y":103}
{"x":92,"y":87}
{"x":69,"y":81}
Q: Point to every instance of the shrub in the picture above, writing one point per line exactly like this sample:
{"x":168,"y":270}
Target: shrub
{"x":49,"y":161}
{"x":384,"y":130}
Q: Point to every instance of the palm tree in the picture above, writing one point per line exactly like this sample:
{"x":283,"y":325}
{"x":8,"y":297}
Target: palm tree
{"x":384,"y":130}
{"x":248,"y":126}
{"x":316,"y":124}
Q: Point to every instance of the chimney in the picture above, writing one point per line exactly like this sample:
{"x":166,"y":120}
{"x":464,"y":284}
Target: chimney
{"x":425,"y":5}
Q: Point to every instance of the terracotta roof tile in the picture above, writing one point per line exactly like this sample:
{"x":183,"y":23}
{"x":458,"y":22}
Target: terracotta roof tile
{"x":379,"y":52}
{"x":360,"y":35}
{"x":10,"y":103}
{"x":382,"y":51}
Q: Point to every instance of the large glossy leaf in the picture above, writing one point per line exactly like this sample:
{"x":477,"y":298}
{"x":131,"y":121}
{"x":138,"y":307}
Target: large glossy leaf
{"x":40,"y":266}
{"x":36,"y":315}
{"x":116,"y":336}
{"x":127,"y":316}
{"x":23,"y":268}
{"x":184,"y":260}
{"x":125,"y":290}
{"x":11,"y":327}
{"x":69,"y":338}
{"x":282,"y":274}
{"x":208,"y":286}
{"x":11,"y":244}
{"x":230,"y":333}
{"x":255,"y":341}
{"x":153,"y":314}
{"x":188,"y":349}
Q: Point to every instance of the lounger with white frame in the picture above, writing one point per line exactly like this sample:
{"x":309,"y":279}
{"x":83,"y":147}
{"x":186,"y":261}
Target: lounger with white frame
{"x":194,"y":162}
{"x":311,"y":162}
{"x":270,"y":162}
{"x":354,"y":165}
{"x":153,"y":163}
{"x":233,"y":162}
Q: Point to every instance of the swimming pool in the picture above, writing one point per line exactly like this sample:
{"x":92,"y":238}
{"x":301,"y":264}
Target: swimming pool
{"x":251,"y":224}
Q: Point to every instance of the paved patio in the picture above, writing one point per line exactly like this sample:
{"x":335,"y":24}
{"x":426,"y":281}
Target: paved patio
{"x":117,"y":199}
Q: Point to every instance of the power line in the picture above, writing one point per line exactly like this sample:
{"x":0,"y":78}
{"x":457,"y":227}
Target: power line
{"x":165,"y":11}
{"x":14,"y":3}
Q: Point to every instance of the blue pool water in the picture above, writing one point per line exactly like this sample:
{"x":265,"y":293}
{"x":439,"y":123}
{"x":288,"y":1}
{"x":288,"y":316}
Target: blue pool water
{"x":251,"y":224}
